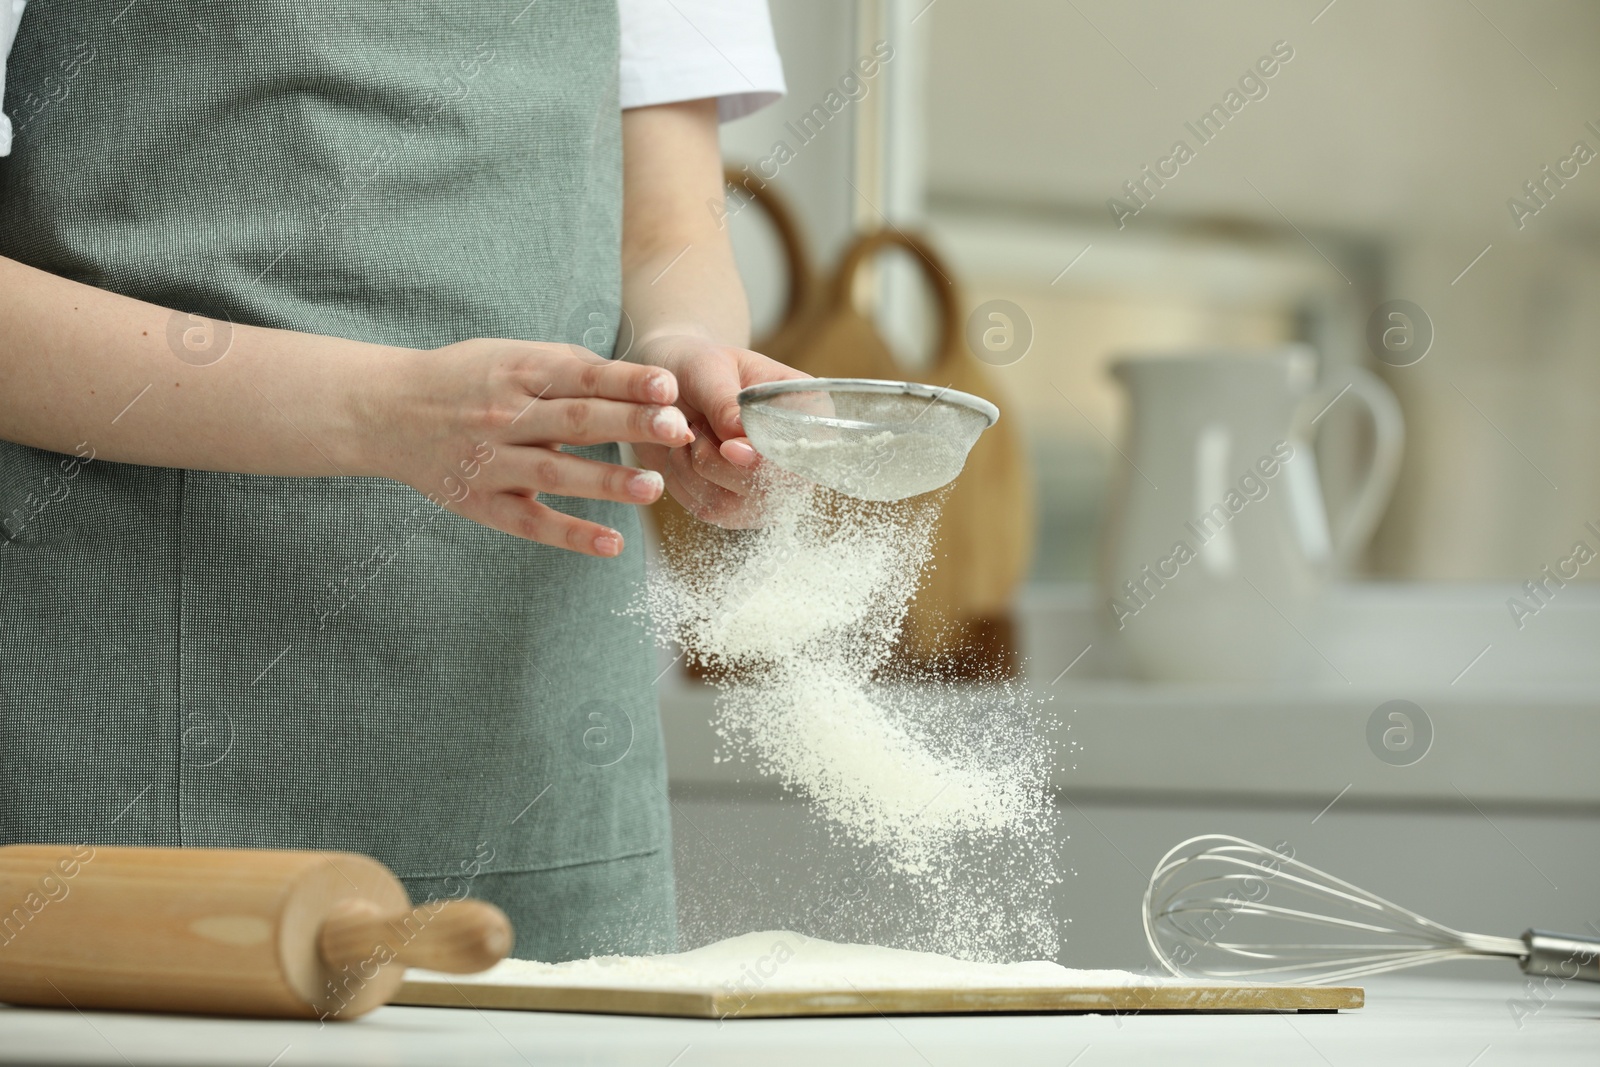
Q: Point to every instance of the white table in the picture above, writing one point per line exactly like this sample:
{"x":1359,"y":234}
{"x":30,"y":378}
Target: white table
{"x":1408,"y":1020}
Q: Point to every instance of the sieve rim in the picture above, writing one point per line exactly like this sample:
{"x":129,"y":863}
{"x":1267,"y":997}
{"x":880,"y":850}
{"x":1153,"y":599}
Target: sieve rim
{"x":869,"y":385}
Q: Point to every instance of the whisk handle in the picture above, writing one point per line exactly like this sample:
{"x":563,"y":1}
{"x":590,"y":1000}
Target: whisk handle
{"x":1562,"y":955}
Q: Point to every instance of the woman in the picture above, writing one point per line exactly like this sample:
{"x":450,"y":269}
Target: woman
{"x":278,"y":280}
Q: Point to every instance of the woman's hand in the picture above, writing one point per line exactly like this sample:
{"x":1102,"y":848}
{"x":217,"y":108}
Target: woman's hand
{"x":478,"y":427}
{"x":713,"y":477}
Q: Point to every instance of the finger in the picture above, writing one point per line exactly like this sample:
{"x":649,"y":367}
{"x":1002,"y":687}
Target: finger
{"x":591,"y":421}
{"x":713,"y":392}
{"x":728,"y":511}
{"x":584,"y":374}
{"x":525,"y":517}
{"x":708,"y":462}
{"x":545,"y":470}
{"x":713,"y":389}
{"x":690,"y":496}
{"x":706,"y":500}
{"x":652,"y":457}
{"x":740,"y":452}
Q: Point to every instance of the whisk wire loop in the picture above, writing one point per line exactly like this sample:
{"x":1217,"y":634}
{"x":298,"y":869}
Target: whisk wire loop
{"x":1206,"y":884}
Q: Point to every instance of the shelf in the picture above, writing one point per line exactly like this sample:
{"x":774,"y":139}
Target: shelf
{"x":1520,"y":728}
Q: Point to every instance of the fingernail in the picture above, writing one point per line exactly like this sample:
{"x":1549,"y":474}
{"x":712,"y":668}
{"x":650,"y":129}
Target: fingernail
{"x":646,"y":485}
{"x":741,"y":453}
{"x":669,"y":422}
{"x":658,"y":390}
{"x":608,"y":544}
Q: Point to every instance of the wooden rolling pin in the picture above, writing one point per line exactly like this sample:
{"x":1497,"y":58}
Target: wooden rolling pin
{"x":224,"y":931}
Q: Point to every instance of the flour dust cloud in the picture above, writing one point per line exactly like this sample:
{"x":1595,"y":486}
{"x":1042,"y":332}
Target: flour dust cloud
{"x":939,"y":790}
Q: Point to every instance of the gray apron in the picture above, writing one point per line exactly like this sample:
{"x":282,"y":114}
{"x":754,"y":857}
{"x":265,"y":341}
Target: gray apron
{"x":206,"y":659}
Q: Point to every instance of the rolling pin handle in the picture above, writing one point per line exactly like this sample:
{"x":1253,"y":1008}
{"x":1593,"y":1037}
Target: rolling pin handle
{"x":457,"y":937}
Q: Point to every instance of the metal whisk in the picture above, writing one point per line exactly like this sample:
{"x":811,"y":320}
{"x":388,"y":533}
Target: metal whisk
{"x":1223,"y":907}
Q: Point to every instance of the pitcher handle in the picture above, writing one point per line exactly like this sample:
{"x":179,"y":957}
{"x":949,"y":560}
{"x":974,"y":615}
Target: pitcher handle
{"x":1351,"y":533}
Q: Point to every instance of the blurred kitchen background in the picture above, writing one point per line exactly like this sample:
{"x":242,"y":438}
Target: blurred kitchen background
{"x":1385,"y":161}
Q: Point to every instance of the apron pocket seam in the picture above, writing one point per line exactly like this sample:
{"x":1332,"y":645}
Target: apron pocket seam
{"x":539,"y":867}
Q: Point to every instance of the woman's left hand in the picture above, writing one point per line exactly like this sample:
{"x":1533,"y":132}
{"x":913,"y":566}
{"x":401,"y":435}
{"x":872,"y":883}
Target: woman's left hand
{"x":713,"y":476}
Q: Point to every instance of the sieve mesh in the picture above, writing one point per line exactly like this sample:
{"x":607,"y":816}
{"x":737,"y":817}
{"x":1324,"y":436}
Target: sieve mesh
{"x":871,"y":439}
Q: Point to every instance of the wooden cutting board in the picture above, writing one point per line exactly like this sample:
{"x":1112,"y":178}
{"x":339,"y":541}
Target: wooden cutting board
{"x":714,"y":1003}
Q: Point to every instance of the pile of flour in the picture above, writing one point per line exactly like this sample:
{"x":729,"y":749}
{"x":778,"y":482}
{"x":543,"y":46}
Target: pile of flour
{"x":947,"y":784}
{"x":782,"y":961}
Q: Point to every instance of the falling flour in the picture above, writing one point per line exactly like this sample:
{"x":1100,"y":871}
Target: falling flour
{"x":946,"y":784}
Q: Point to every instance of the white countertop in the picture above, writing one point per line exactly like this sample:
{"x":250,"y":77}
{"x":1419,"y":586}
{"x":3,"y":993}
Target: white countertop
{"x":1408,"y":1020}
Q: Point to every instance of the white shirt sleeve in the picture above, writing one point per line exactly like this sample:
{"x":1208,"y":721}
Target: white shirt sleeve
{"x":693,"y":49}
{"x":10,"y":16}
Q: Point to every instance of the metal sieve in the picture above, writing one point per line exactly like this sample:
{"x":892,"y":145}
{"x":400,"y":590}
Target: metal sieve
{"x":871,"y":439}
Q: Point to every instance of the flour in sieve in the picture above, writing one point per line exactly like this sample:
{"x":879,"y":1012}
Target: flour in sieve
{"x":888,"y":465}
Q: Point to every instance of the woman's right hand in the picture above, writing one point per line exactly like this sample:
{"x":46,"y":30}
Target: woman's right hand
{"x":479,"y":427}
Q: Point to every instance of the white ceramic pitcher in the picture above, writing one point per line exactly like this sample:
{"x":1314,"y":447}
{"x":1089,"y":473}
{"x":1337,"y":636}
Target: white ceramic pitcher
{"x":1218,"y":547}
